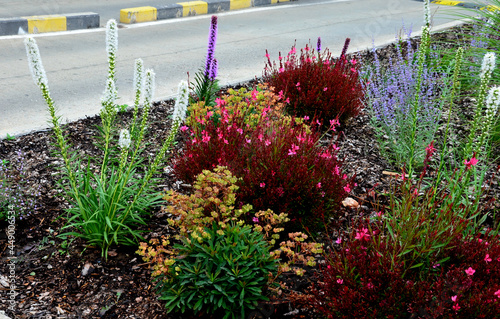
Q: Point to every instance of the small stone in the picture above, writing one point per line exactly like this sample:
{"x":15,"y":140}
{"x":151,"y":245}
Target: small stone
{"x":349,"y":202}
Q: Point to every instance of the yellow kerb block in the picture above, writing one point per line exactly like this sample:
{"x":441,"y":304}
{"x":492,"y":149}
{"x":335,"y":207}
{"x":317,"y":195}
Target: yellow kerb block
{"x":446,"y":2}
{"x":41,"y":24}
{"x":138,"y":14}
{"x":193,"y":8}
{"x":239,"y":4}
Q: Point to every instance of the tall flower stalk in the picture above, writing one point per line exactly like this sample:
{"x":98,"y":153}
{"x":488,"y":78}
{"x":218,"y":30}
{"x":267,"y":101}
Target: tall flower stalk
{"x":111,"y":46}
{"x":472,"y":145}
{"x":206,"y":84}
{"x":107,"y":206}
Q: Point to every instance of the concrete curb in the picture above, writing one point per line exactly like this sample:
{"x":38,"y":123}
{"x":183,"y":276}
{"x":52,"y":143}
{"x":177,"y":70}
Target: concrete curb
{"x":189,"y":8}
{"x":464,"y":4}
{"x":49,"y":23}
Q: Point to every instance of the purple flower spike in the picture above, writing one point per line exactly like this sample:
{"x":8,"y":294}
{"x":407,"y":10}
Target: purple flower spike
{"x":213,"y":70}
{"x":318,"y":45}
{"x":346,"y":46}
{"x":212,"y":39}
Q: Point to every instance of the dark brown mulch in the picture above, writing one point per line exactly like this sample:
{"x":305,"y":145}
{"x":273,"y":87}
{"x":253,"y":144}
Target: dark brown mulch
{"x":67,"y":280}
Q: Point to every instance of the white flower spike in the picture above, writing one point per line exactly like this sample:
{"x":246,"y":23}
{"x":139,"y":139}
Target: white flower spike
{"x":488,"y":65}
{"x":35,"y":62}
{"x":181,"y":103}
{"x":124,"y":140}
{"x":111,"y":37}
{"x":492,"y":102}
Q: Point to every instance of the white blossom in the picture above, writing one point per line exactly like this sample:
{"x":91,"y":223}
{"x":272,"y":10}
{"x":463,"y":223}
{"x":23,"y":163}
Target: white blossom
{"x":124,"y":140}
{"x":149,"y":87}
{"x":181,"y":103}
{"x":138,"y":75}
{"x":110,"y":94}
{"x":427,"y":13}
{"x":111,"y":37}
{"x":492,"y":102}
{"x":488,"y":65}
{"x":35,"y":62}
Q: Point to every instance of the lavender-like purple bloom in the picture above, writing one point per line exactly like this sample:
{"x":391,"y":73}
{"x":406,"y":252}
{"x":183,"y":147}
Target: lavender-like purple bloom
{"x":212,"y":39}
{"x":318,"y":45}
{"x":213,"y":70}
{"x":391,"y":94}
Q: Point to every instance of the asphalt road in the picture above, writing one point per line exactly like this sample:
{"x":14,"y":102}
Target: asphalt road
{"x":76,"y":65}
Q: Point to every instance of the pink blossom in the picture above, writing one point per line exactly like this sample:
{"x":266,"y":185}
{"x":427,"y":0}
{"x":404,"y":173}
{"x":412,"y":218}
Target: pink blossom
{"x":255,"y":220}
{"x":454,"y":298}
{"x":338,"y":241}
{"x":292,"y":51}
{"x":281,"y":70}
{"x":363,"y":235}
{"x":435,"y":266}
{"x":472,"y":162}
{"x":308,"y":60}
{"x":254,"y":95}
{"x":318,"y":185}
{"x":379,"y":214}
{"x":369,"y":286}
{"x":248,"y":140}
{"x":293,"y":150}
{"x":469,"y":271}
{"x":487,"y":258}
{"x":262,"y":185}
{"x":329,"y":267}
{"x":184,"y":128}
{"x":239,"y":130}
{"x":336,"y":170}
{"x":353,"y":61}
{"x":340,"y":281}
{"x":325,"y":89}
{"x":287,"y":100}
{"x":306,"y":118}
{"x":267,"y":142}
{"x":267,"y":55}
{"x":206,"y":137}
{"x":347,"y":188}
{"x":497,"y":293}
{"x":456,"y":307}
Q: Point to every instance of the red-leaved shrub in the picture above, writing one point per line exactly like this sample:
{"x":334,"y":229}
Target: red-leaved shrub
{"x":279,"y":163}
{"x":363,"y":281}
{"x":317,"y":85}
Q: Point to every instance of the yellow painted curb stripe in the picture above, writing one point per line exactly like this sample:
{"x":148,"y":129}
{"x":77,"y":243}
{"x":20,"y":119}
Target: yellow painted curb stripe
{"x":239,"y":4}
{"x":491,"y":8}
{"x":446,"y":2}
{"x":138,"y":14}
{"x":48,"y":23}
{"x":278,"y":1}
{"x":193,"y":8}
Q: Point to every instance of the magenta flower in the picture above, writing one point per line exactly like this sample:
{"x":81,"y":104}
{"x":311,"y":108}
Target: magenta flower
{"x":471,"y":162}
{"x":255,"y":220}
{"x":454,"y":298}
{"x":347,"y":188}
{"x":456,"y":307}
{"x":340,"y":281}
{"x":262,"y":185}
{"x":363,"y":235}
{"x":339,"y":240}
{"x":184,"y":128}
{"x":497,"y":293}
{"x":487,"y":258}
{"x":470,"y":271}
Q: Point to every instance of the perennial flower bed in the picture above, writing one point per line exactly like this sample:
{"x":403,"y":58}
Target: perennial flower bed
{"x":357,"y":186}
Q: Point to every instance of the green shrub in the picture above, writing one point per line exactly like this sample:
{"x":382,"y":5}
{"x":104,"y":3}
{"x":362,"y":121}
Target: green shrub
{"x":226,"y":271}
